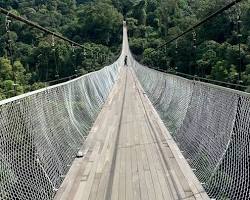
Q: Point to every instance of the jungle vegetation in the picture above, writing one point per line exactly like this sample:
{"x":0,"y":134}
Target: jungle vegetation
{"x":28,"y":59}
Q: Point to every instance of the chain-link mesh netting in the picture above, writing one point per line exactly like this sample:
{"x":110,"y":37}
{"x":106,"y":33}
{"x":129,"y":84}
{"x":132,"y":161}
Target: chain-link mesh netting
{"x":41,"y":133}
{"x":210,"y":124}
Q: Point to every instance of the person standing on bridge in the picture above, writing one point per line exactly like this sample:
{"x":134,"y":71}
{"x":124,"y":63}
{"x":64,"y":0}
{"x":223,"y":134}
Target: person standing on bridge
{"x":126,"y":61}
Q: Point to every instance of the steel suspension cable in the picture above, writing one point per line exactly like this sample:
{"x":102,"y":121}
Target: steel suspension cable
{"x":228,"y":6}
{"x":37,"y":26}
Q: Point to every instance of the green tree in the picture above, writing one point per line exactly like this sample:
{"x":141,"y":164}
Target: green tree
{"x":100,"y":22}
{"x":5,"y":69}
{"x":139,"y":12}
{"x":220,"y":71}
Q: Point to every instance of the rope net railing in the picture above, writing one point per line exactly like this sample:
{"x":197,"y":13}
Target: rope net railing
{"x":210,"y":124}
{"x":42,"y":131}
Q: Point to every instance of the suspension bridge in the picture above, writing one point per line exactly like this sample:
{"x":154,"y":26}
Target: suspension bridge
{"x":126,"y":132}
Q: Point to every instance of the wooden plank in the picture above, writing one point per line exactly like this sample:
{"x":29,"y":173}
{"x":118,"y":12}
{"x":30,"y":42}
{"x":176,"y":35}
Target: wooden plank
{"x":166,"y":189}
{"x":122,"y":140}
{"x":115,"y":188}
{"x":94,"y":188}
{"x":146,"y":167}
{"x":105,"y":152}
{"x":143,"y":186}
{"x":135,"y":175}
{"x":129,"y":186}
{"x":172,"y":178}
{"x":87,"y":171}
{"x":122,"y":176}
{"x":101,"y":192}
{"x":167,"y":177}
{"x":144,"y":158}
{"x":68,"y":187}
{"x":152,"y":166}
{"x":178,"y":184}
{"x":150,"y":185}
{"x":84,"y":187}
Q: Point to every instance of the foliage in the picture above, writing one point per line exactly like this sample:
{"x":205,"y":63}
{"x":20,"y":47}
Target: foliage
{"x":98,"y":25}
{"x":31,"y":59}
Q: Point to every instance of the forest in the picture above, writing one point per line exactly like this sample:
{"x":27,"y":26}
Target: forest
{"x":31,"y":59}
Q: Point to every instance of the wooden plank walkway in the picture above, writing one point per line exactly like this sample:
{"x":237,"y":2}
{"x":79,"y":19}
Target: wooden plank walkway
{"x":130,"y":155}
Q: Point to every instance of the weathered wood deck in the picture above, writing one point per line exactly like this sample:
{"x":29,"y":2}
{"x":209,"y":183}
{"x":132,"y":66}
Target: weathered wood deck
{"x":130,"y":155}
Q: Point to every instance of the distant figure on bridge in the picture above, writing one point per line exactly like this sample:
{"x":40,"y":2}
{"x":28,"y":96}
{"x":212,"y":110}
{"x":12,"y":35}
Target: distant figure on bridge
{"x":126,"y":61}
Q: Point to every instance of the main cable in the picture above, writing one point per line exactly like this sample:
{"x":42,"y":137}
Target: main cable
{"x":37,"y":26}
{"x":198,"y":24}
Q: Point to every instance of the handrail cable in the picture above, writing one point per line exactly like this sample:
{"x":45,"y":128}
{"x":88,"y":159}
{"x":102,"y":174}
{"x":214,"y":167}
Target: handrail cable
{"x":201,"y":78}
{"x":197,"y":24}
{"x":34,"y":25}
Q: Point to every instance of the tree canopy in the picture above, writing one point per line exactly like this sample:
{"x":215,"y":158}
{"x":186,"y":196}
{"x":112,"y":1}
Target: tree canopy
{"x":28,"y":59}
